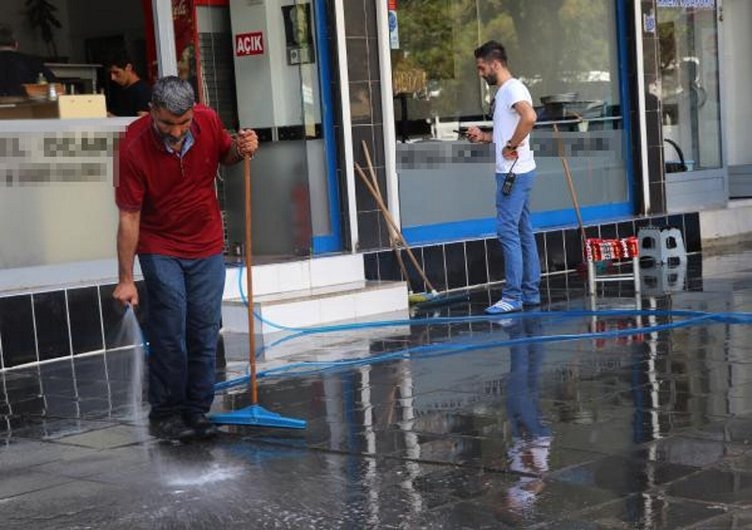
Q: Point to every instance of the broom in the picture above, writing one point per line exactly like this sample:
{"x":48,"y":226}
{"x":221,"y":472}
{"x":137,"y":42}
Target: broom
{"x":398,"y":242}
{"x":254,"y":414}
{"x":582,"y":268}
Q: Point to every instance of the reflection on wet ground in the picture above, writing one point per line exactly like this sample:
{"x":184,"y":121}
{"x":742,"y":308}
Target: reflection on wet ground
{"x":558,"y":418}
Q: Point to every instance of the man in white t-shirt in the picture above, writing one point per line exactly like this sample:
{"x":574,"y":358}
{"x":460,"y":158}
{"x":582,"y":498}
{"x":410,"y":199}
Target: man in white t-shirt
{"x":513,"y":119}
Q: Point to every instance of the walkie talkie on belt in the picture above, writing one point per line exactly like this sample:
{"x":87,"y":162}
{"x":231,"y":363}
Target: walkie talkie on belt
{"x":506,"y":187}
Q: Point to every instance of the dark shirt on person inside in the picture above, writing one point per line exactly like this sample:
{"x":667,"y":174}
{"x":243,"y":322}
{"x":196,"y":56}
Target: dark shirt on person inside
{"x":18,"y":68}
{"x":130,"y":100}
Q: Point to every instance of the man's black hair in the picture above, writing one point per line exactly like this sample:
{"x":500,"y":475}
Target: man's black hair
{"x":119,"y":58}
{"x":492,"y":50}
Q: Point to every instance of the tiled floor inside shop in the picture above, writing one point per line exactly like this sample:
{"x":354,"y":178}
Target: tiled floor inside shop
{"x":558,"y":418}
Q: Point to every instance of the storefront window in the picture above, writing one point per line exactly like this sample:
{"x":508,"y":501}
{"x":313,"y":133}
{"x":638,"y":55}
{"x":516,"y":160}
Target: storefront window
{"x":565,"y":51}
{"x":688,"y":86}
{"x":555,"y":47}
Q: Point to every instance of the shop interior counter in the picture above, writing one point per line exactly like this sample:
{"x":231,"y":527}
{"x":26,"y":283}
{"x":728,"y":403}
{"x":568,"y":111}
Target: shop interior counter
{"x":63,"y":106}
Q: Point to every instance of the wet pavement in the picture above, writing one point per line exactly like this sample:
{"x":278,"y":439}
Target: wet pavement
{"x":558,"y":418}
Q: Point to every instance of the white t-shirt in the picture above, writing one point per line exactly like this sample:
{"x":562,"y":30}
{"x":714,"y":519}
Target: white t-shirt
{"x":505,"y":120}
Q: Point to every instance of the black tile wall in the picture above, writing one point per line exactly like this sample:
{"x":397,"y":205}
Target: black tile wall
{"x":364,"y":200}
{"x":435,"y":266}
{"x":360,"y":134}
{"x":85,"y":320}
{"x":655,"y":168}
{"x":116,"y":334}
{"x":495,"y":260}
{"x":692,"y":236}
{"x":26,"y":406}
{"x":540,"y":242}
{"x":21,"y":383}
{"x":381,"y":183}
{"x":555,"y":254}
{"x":593,"y":232}
{"x":415,"y":281}
{"x":456,"y":265}
{"x":371,"y":266}
{"x":559,"y":250}
{"x":17,"y":330}
{"x":608,"y":231}
{"x":120,"y":370}
{"x":58,"y":384}
{"x":625,"y":229}
{"x":4,"y":405}
{"x":641,"y":223}
{"x":368,"y":227}
{"x":377,"y":151}
{"x":92,"y":381}
{"x":653,"y":119}
{"x":384,"y":239}
{"x":477,"y":268}
{"x":675,"y":221}
{"x":51,"y":314}
{"x":365,"y":109}
{"x":389,"y":268}
{"x":653,"y":128}
{"x":573,"y":248}
{"x":658,"y":197}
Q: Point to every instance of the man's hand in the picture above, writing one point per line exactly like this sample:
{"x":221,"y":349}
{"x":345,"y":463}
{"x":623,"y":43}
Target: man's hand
{"x":509,"y":152}
{"x":246,"y":142}
{"x":126,"y":293}
{"x":476,"y":136}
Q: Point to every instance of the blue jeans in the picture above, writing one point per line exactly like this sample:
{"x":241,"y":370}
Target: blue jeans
{"x":522,"y":384}
{"x":184,"y":314}
{"x":521,"y":264}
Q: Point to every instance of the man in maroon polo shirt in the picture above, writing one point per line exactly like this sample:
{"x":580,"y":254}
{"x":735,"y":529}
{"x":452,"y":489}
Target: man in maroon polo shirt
{"x":170,"y":217}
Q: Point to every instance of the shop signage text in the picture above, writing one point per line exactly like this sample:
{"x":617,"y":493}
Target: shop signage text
{"x":249,"y":44}
{"x":697,"y":4}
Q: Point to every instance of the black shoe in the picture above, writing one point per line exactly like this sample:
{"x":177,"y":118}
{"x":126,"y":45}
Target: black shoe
{"x":171,"y":428}
{"x":202,"y":425}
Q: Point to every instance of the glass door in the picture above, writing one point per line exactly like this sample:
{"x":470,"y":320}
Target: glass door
{"x":688,"y":86}
{"x":277,"y":64}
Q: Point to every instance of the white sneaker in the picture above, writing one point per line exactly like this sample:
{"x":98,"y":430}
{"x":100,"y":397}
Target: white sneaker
{"x":504,"y":305}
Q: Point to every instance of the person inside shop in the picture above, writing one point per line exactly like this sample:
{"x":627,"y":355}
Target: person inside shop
{"x":170,"y":218}
{"x":129,"y":94}
{"x":16,"y":68}
{"x":513,"y":119}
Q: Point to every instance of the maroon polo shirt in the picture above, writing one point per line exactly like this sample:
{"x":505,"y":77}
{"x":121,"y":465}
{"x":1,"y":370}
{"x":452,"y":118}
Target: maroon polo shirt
{"x":180,"y":214}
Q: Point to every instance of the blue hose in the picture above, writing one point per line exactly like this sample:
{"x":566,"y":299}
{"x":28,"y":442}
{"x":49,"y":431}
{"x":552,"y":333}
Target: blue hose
{"x":692,"y":317}
{"x":310,"y":367}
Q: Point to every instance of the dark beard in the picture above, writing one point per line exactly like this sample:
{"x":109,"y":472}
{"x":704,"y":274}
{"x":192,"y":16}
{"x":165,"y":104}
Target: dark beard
{"x":174,"y":141}
{"x":171,"y":139}
{"x":166,"y":137}
{"x":491,"y":79}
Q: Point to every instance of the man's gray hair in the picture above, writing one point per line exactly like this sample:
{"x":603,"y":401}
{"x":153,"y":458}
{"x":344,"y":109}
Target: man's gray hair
{"x":172,"y":94}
